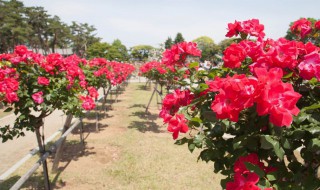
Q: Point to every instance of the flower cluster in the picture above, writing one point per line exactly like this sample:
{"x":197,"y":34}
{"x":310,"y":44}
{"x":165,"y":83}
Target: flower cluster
{"x":236,"y":93}
{"x":270,"y":94}
{"x":153,"y":65}
{"x":167,"y":72}
{"x":178,"y":53}
{"x":170,"y":106}
{"x":242,"y":108}
{"x":249,"y":27}
{"x":46,"y":83}
{"x":244,"y":179}
{"x":8,"y":84}
{"x":301,"y":27}
{"x":114,"y":72}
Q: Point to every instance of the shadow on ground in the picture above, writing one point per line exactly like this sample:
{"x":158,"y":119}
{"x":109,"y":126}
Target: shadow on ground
{"x":72,"y":151}
{"x":144,"y":87}
{"x":147,"y":122}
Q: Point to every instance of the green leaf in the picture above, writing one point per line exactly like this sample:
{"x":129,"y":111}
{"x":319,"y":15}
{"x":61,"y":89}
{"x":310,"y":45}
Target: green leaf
{"x":314,"y":130}
{"x":210,"y":116}
{"x":301,"y":117}
{"x":288,"y":75}
{"x":255,"y":169}
{"x":238,"y":142}
{"x":285,"y":143}
{"x":203,"y":86}
{"x":208,"y":155}
{"x":191,"y":146}
{"x":218,"y":129}
{"x":9,"y":109}
{"x":312,"y":107}
{"x":181,"y":141}
{"x":314,"y":144}
{"x":182,"y":70}
{"x":196,"y":121}
{"x":272,"y":176}
{"x":267,"y":142}
{"x":193,"y":65}
{"x":198,"y":139}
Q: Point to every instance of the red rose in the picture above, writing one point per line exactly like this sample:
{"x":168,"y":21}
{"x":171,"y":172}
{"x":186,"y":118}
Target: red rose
{"x":37,"y":97}
{"x":233,"y":56}
{"x":43,"y":81}
{"x":302,"y":27}
{"x":178,"y":124}
{"x":317,"y":25}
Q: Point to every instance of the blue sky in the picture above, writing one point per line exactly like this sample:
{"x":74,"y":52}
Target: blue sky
{"x":151,"y":22}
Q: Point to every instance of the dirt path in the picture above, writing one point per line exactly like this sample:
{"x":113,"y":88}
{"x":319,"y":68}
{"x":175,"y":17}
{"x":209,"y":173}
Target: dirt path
{"x":132,"y":150}
{"x":14,"y":150}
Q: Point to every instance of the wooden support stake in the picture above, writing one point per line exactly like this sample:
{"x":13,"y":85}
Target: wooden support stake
{"x":60,"y":147}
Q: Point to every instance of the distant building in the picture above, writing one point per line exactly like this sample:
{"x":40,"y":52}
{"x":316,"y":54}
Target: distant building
{"x":64,"y":52}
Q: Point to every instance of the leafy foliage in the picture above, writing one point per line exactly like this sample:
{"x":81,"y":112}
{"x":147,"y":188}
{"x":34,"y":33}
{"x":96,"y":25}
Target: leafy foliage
{"x":253,"y":113}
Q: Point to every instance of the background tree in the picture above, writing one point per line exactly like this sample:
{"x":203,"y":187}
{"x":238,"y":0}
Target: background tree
{"x":38,"y":20}
{"x":117,"y":52}
{"x":226,"y":43}
{"x":208,"y":48}
{"x":14,"y":28}
{"x":98,"y":49}
{"x":178,"y":38}
{"x":168,"y":43}
{"x":313,"y":37}
{"x":48,"y":32}
{"x":82,"y":36}
{"x":141,"y":52}
{"x":59,"y":34}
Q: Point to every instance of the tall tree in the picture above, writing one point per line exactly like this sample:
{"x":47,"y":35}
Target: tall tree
{"x":98,"y":49}
{"x":82,"y":37}
{"x":13,"y":25}
{"x":168,"y":43}
{"x":141,"y":52}
{"x":226,"y":43}
{"x":117,"y":52}
{"x":208,"y":48}
{"x":59,"y":34}
{"x":179,"y":38}
{"x":38,"y":20}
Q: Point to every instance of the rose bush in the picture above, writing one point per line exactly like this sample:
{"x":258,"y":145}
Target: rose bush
{"x":171,"y":71}
{"x":34,"y":86}
{"x":257,"y":117}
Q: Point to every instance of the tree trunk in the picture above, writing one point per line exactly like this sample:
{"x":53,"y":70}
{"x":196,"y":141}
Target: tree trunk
{"x":42,"y":152}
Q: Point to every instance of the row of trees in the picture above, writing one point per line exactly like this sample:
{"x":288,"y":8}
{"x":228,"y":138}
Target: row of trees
{"x":34,"y":27}
{"x":43,"y":33}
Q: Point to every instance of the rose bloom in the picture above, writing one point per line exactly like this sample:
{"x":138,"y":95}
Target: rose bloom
{"x":178,"y":124}
{"x":87,"y":103}
{"x":302,"y":27}
{"x":21,"y":50}
{"x":43,"y":81}
{"x":317,"y":25}
{"x":233,"y":56}
{"x":234,"y":29}
{"x":37,"y":97}
{"x":11,"y":97}
{"x":93,"y":92}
